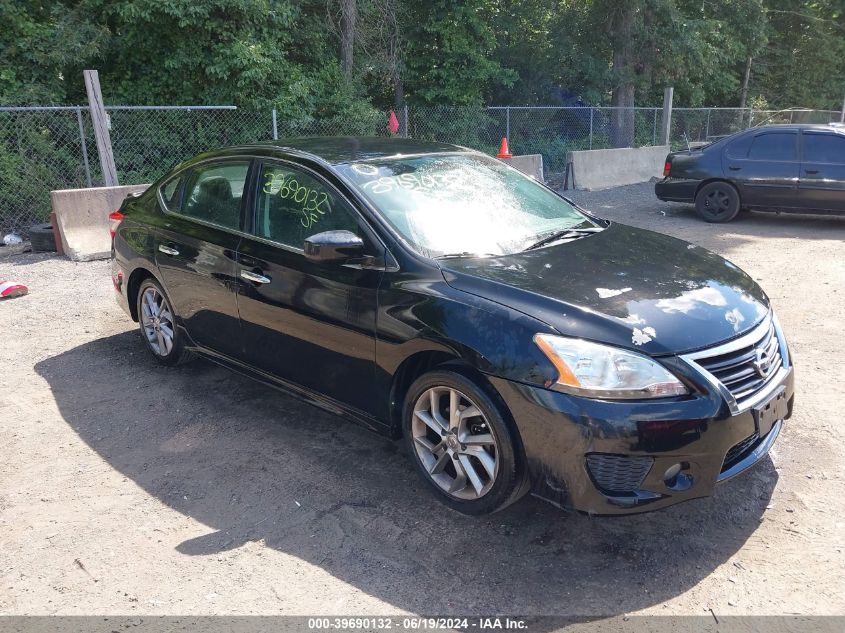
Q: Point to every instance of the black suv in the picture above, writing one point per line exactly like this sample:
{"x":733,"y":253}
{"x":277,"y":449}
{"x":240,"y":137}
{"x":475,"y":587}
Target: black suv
{"x":798,"y":168}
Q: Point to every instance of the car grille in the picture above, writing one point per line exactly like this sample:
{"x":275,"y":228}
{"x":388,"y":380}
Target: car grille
{"x":740,"y":450}
{"x":743,"y":371}
{"x":618,"y":474}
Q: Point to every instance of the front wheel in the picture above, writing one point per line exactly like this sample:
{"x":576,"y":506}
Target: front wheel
{"x":717,"y":202}
{"x":158,"y":325}
{"x":462,"y":446}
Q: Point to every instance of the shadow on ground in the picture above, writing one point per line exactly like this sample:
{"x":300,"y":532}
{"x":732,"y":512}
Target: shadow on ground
{"x":238,"y":456}
{"x":637,"y":205}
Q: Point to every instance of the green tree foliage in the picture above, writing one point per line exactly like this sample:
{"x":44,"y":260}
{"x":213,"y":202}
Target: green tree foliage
{"x":286,"y":53}
{"x":449,"y":53}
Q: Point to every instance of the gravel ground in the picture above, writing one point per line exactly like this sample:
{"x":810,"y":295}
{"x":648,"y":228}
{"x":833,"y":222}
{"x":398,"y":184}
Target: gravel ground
{"x":128,"y":488}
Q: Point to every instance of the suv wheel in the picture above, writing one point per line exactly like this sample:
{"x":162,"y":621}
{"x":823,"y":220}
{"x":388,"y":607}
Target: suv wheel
{"x":461,"y":444}
{"x":717,"y":202}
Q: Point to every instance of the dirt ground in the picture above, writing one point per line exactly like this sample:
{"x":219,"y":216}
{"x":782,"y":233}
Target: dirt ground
{"x":128,"y":488}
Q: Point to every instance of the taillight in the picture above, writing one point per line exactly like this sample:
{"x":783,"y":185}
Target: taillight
{"x":114,"y":221}
{"x":667,"y":167}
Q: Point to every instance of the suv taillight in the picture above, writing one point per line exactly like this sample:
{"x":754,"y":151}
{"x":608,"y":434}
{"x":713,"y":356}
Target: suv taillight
{"x":667,"y":167}
{"x":114,"y":221}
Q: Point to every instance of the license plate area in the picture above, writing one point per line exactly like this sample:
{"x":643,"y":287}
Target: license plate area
{"x":767,"y":414}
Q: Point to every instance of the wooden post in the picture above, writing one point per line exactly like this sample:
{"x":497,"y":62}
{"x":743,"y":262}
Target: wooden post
{"x":666,"y":123}
{"x":101,"y":127}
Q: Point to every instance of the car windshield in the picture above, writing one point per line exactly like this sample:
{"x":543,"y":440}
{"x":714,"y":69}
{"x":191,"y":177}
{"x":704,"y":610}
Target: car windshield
{"x":463,"y":204}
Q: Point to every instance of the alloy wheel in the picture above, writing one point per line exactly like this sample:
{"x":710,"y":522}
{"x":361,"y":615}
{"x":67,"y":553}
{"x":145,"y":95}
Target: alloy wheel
{"x":455,"y":443}
{"x":157,"y":321}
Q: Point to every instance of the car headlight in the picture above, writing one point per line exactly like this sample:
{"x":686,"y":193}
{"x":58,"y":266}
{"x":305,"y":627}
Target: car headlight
{"x":594,"y":370}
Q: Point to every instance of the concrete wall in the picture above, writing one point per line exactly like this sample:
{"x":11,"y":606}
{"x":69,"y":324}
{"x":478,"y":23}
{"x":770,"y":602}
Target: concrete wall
{"x":603,"y":168}
{"x":82,"y":216}
{"x":529,"y":164}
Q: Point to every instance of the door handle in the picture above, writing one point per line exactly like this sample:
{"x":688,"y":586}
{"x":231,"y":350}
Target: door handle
{"x":251,"y":276}
{"x":811,"y":171}
{"x":734,"y":167}
{"x":167,"y":250}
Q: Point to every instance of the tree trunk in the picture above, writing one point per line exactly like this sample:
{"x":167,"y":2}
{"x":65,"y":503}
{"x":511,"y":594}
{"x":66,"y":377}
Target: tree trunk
{"x":348,"y":20}
{"x":394,"y":54}
{"x":624,"y":59}
{"x":743,"y":94}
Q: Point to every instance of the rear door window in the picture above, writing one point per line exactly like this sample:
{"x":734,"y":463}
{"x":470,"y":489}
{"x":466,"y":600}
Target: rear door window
{"x":214,"y":193}
{"x":780,"y":146}
{"x":824,"y":147}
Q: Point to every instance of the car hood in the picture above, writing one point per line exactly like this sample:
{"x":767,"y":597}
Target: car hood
{"x":623,"y":286}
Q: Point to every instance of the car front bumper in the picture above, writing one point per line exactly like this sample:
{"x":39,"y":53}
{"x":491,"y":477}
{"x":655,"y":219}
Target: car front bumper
{"x":574,"y":446}
{"x":676,"y":189}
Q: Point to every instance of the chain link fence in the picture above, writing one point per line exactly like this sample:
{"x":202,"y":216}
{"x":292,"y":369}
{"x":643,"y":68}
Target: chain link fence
{"x":47,"y":148}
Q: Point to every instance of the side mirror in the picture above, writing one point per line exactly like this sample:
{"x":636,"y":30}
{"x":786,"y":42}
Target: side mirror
{"x":333,"y":246}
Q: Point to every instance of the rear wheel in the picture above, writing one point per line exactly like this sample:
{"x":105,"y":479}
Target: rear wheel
{"x":158,"y":325}
{"x":717,"y":202}
{"x":460,"y":442}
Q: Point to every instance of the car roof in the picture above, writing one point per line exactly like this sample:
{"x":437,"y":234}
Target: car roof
{"x":346,"y":149}
{"x":828,"y":127}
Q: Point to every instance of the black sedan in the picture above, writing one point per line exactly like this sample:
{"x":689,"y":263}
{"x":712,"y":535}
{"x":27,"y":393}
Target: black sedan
{"x":516,"y":342}
{"x":797,"y":168}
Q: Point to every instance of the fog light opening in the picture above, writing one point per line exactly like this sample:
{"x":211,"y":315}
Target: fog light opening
{"x":675,"y":479}
{"x":670,"y":477}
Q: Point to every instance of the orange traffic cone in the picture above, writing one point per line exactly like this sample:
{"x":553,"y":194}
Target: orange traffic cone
{"x":504,"y":152}
{"x":392,"y":123}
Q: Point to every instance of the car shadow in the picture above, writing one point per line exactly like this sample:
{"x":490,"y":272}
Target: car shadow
{"x":256,"y":465}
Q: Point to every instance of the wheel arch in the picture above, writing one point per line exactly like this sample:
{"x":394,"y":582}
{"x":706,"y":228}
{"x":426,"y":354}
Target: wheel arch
{"x":133,"y":285}
{"x":423,"y":362}
{"x":709,"y":181}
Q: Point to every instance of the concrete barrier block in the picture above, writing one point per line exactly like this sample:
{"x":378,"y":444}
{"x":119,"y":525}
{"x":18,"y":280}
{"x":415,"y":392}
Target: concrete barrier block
{"x":604,"y":168}
{"x":528,"y":164}
{"x":82,"y":216}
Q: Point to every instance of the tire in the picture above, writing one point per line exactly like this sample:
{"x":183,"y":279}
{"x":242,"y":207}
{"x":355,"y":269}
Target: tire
{"x":474,"y":466}
{"x":717,"y":202}
{"x":157,"y":321}
{"x":41,"y":238}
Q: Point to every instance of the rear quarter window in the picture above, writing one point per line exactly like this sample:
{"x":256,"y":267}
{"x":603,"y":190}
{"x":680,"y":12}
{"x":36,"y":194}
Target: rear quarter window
{"x":170,"y":193}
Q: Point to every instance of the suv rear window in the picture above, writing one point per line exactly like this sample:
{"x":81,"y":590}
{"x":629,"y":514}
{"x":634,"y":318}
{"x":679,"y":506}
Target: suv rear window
{"x":774,"y":146}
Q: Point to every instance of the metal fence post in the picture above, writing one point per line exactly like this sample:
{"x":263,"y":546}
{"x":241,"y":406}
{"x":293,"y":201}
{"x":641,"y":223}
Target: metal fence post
{"x":842,"y":114}
{"x":707,"y":126}
{"x":84,"y":148}
{"x":508,"y":123}
{"x":591,"y":127}
{"x":654,"y":126}
{"x":666,"y":126}
{"x":405,"y":117}
{"x":275,"y":129}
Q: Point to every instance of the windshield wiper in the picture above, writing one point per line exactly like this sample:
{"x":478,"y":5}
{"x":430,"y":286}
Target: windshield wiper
{"x":562,"y":235}
{"x":466,"y":254}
